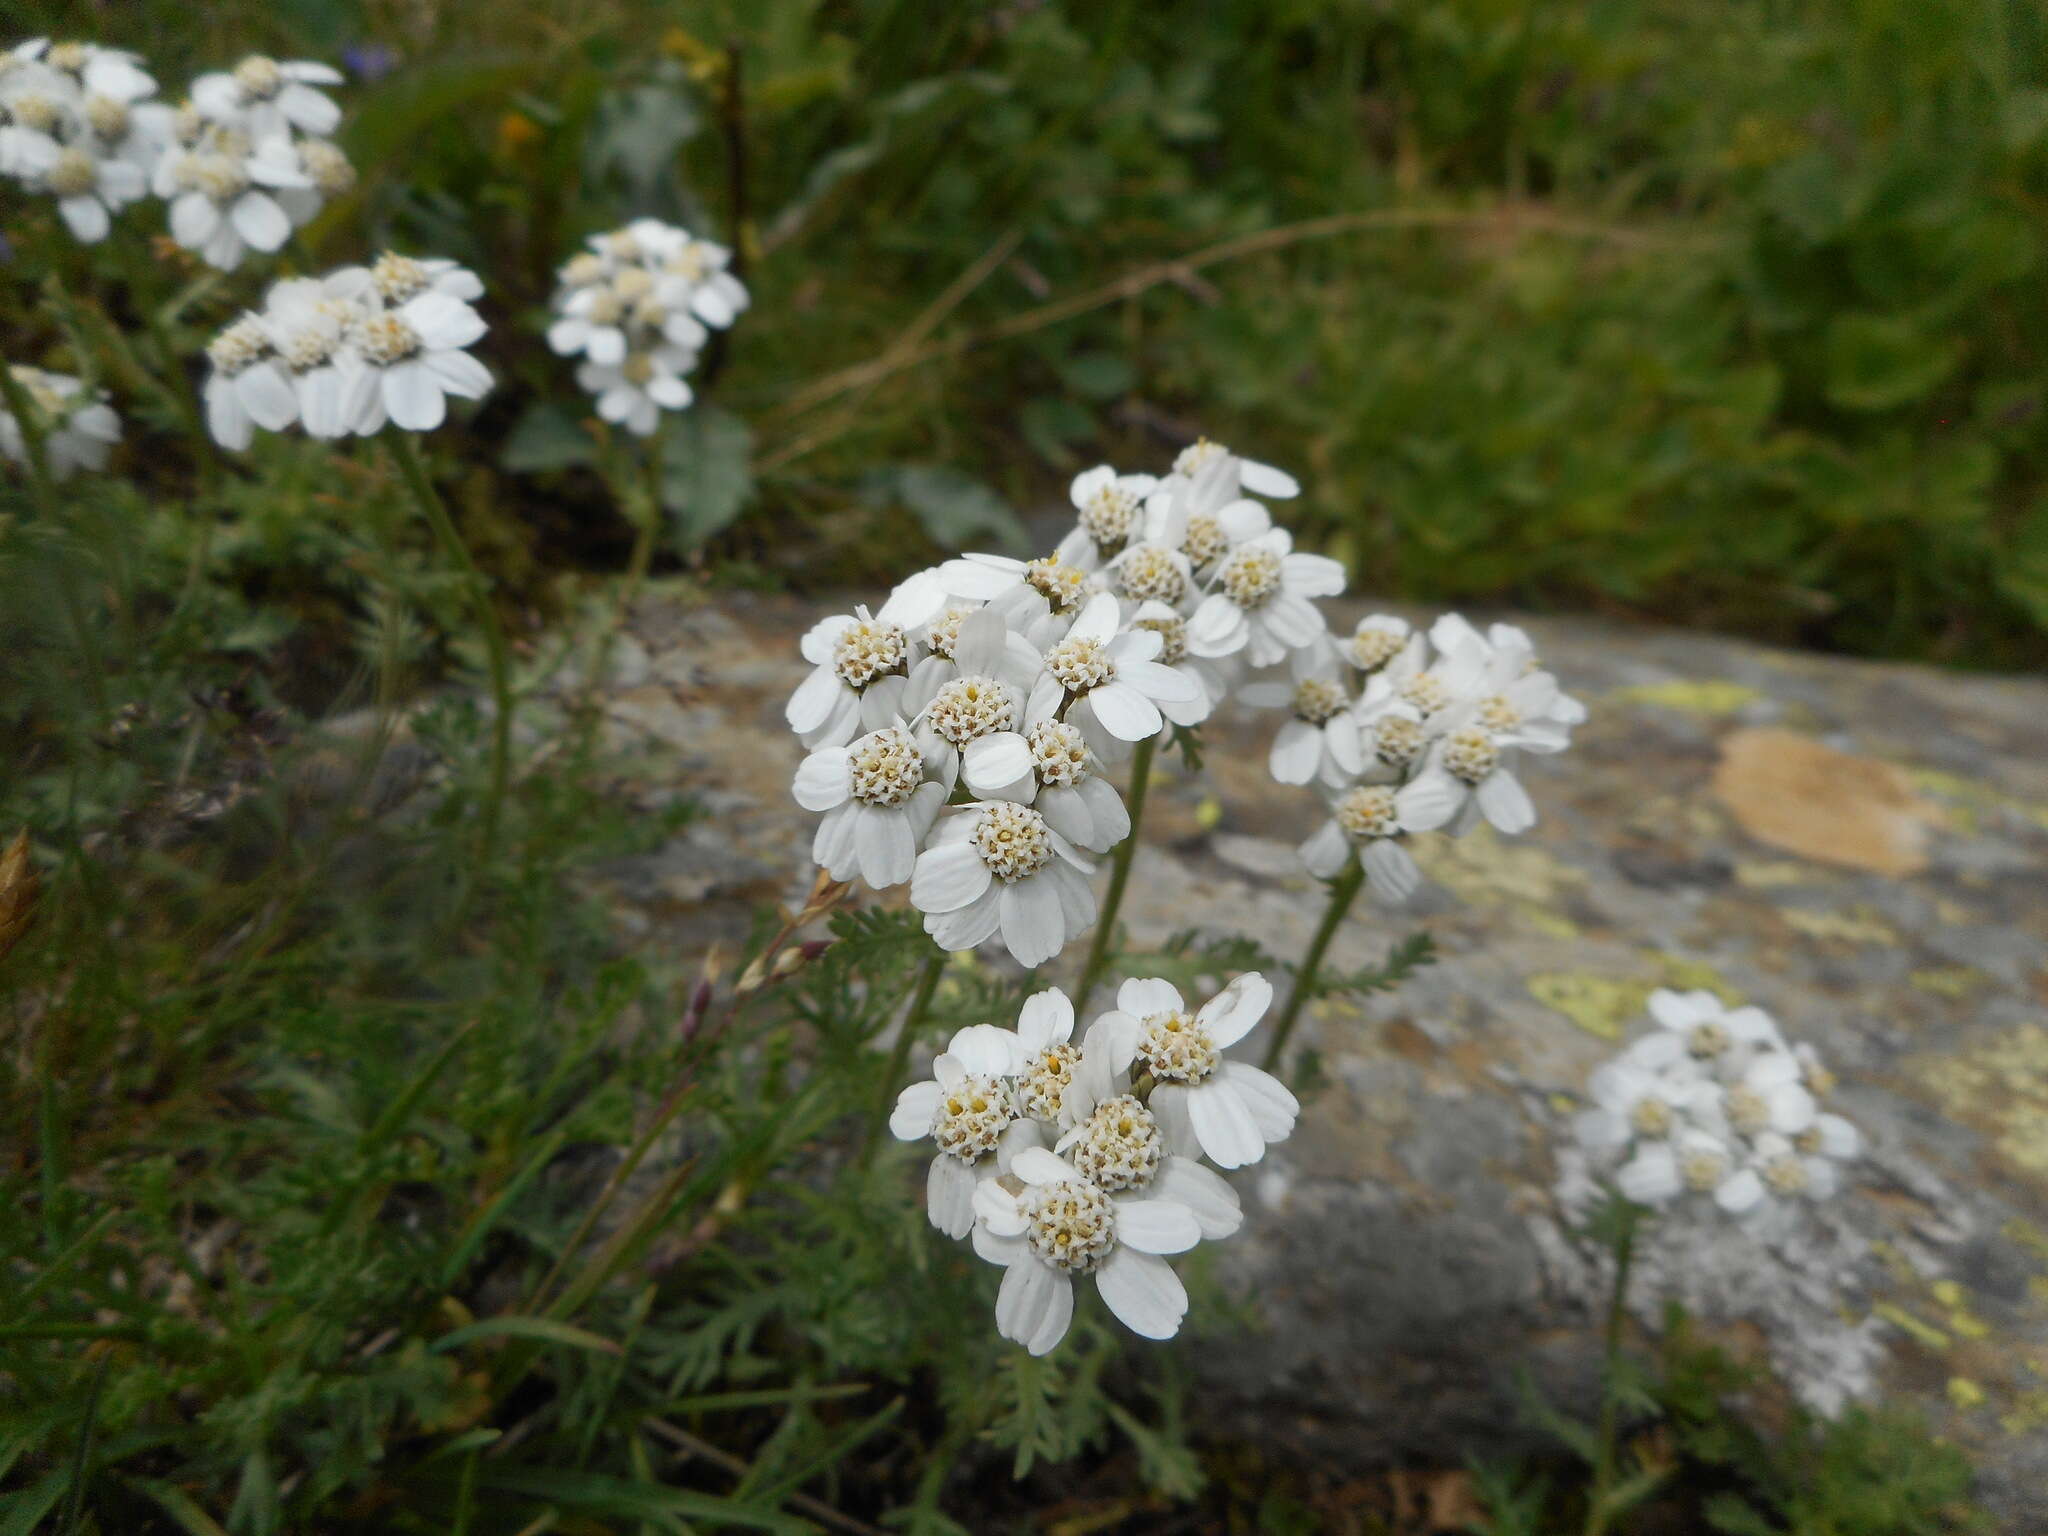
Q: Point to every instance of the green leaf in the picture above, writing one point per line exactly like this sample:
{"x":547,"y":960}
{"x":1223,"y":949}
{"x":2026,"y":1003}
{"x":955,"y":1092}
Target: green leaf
{"x":707,"y":472}
{"x":955,"y":509}
{"x":546,"y":438}
{"x":1876,"y":362}
{"x":593,"y":1494}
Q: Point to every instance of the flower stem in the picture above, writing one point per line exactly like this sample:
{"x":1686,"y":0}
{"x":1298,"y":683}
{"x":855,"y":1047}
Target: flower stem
{"x":176,"y":382}
{"x":1119,"y":875}
{"x":1342,"y":890}
{"x":899,"y":1056}
{"x":407,"y":453}
{"x":28,"y":416}
{"x":1597,"y":1512}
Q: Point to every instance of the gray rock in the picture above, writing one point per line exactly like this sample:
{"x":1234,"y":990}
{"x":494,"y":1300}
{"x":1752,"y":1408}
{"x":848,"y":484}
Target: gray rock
{"x":1861,"y":849}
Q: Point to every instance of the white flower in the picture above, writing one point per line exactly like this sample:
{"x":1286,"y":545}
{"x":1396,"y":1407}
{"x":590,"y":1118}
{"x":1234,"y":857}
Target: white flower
{"x":635,"y":391}
{"x":968,"y":1108}
{"x":221,"y":194}
{"x":1211,"y":676}
{"x":270,"y":99}
{"x":1367,"y":822}
{"x":1038,"y":597}
{"x":1233,"y":475}
{"x":981,"y":691}
{"x":879,"y":806}
{"x":851,"y":653}
{"x":998,"y":867}
{"x":79,"y":430}
{"x":1260,"y":601}
{"x":398,"y":278}
{"x":247,"y":387}
{"x":1377,"y":640}
{"x":1109,"y":513}
{"x":1646,"y":1093}
{"x":407,"y":362}
{"x":1057,"y":1225}
{"x":1712,"y":1031}
{"x":1229,"y":1110}
{"x":1780,"y":1169}
{"x":1047,"y":763}
{"x":637,"y":306}
{"x":1111,"y":676}
{"x":1321,"y":742}
{"x":310,"y":324}
{"x":1766,"y":1095}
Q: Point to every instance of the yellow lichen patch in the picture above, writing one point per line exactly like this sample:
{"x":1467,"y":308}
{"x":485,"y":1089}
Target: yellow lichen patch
{"x":2001,"y":1086}
{"x":1608,"y":1005}
{"x":1714,"y":697}
{"x":1907,"y":1323}
{"x":1968,"y":801}
{"x":1961,"y":1320}
{"x":1483,"y":871}
{"x":2027,"y":1235}
{"x":1965,"y":1393}
{"x":1600,"y":1005}
{"x":1859,"y":925}
{"x":2028,"y":1415}
{"x":1951,"y":981}
{"x":1209,"y":813}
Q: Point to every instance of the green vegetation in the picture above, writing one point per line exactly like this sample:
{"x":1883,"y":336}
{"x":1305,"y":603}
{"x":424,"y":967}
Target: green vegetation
{"x":1726,"y":315}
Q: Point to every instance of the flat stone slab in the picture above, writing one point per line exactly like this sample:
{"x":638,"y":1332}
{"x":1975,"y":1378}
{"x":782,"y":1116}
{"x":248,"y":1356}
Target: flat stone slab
{"x":1861,"y":849}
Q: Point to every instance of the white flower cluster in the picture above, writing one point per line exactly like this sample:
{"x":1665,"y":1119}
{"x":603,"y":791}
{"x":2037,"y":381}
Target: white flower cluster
{"x":75,"y":125}
{"x":1405,"y":732}
{"x":1065,"y":1159}
{"x":81,"y":428}
{"x":345,"y":353}
{"x":247,"y":159}
{"x":959,"y":733}
{"x":635,"y":308}
{"x":244,"y":161}
{"x":1715,"y":1103}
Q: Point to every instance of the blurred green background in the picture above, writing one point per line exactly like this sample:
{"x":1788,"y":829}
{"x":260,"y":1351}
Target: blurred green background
{"x":1731,"y":315}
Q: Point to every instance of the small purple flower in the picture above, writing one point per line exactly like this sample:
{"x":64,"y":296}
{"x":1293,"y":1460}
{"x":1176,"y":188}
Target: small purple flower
{"x":369,"y":62}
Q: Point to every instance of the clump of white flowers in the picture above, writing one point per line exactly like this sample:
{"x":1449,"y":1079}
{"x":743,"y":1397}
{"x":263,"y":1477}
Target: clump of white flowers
{"x":1714,"y":1103}
{"x":80,"y":428}
{"x":342,"y":354}
{"x":1067,"y":1158}
{"x":248,"y":160}
{"x":76,"y":125}
{"x":638,"y":307}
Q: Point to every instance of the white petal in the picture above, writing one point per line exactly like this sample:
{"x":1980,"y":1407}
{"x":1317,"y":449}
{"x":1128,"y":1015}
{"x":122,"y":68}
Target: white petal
{"x":413,"y":398}
{"x":1505,"y":803}
{"x":194,"y":219}
{"x":916,"y":1107}
{"x":308,"y":109}
{"x":1273,"y":1105}
{"x":986,"y":1050}
{"x":259,"y":220}
{"x":888,"y":848}
{"x":1144,"y":1293}
{"x":1740,"y":1193}
{"x":443,"y":322}
{"x":1156,"y":1226}
{"x":811,"y":705}
{"x":269,"y":401}
{"x":1327,"y":851}
{"x":1651,"y":1177}
{"x":1428,"y":801}
{"x":1231,"y":1013}
{"x":1297,"y":751}
{"x":1124,"y":712}
{"x":1034,"y":924}
{"x":1035,"y":1165}
{"x":1203,"y":1191}
{"x":949,"y":1195}
{"x":86,"y":217}
{"x":1047,"y":1018}
{"x":823,"y":780}
{"x":948,"y":877}
{"x":1223,"y":1124}
{"x":460,"y":374}
{"x":997,"y":1209}
{"x":1391,"y":870}
{"x":996,"y":763}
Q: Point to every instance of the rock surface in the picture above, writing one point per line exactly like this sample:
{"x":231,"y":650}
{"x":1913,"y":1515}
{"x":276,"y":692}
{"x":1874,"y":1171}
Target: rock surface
{"x":1861,"y":849}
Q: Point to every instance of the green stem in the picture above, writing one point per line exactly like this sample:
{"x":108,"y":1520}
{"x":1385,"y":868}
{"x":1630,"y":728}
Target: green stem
{"x":899,"y":1057}
{"x":1342,"y":890}
{"x":177,"y":384}
{"x":1119,"y":875}
{"x":639,"y":502}
{"x":410,"y":464}
{"x":1597,"y":1512}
